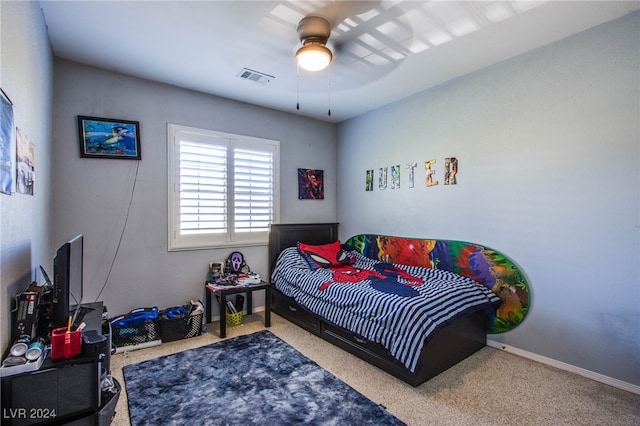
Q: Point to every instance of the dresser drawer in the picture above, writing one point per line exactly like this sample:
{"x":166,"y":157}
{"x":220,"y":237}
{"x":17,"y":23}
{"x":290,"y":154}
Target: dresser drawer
{"x":289,"y":309}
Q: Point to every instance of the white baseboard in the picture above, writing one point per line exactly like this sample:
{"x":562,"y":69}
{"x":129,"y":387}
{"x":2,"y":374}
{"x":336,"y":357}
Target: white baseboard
{"x":567,"y":367}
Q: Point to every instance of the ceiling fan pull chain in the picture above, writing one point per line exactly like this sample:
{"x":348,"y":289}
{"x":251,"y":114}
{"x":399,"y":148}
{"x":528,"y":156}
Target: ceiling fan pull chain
{"x":297,"y":86}
{"x":329,"y":83}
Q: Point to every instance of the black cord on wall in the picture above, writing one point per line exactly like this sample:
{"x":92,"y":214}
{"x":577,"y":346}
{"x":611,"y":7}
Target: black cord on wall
{"x":124,"y":227}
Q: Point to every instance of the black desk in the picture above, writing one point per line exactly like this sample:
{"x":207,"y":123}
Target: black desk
{"x":60,"y":392}
{"x":224,"y":292}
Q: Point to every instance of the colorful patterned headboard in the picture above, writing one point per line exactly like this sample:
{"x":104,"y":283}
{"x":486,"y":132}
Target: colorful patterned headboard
{"x":486,"y":266}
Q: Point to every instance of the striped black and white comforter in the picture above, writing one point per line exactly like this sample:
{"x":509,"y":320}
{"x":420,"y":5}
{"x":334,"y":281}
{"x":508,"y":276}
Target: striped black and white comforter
{"x":400,"y":324}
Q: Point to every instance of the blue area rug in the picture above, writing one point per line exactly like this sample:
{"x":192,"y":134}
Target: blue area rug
{"x":255,"y":379}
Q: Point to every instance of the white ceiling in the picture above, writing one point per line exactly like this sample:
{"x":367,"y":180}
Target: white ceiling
{"x":383,"y":50}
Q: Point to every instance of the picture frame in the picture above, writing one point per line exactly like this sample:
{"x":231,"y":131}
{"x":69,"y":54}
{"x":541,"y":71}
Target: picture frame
{"x":7,"y":145}
{"x":109,"y":138}
{"x":310,"y":184}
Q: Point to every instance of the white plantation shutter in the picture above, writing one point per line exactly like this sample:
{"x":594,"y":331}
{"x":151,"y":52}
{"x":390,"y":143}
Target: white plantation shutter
{"x":253,"y":190}
{"x":222,"y":188}
{"x":203,"y":188}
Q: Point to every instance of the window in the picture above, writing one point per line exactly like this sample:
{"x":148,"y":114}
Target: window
{"x":222,"y":188}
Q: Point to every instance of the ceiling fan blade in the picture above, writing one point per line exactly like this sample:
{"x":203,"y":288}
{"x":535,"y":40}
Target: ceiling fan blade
{"x":367,"y":40}
{"x":338,"y":11}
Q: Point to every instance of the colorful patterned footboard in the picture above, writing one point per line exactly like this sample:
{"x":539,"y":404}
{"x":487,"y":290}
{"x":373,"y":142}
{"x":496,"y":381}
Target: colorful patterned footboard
{"x":486,"y":266}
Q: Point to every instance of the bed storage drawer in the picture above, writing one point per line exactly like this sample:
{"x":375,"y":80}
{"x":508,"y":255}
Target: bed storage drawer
{"x":358,"y":342}
{"x":289,"y":309}
{"x":371,"y":352}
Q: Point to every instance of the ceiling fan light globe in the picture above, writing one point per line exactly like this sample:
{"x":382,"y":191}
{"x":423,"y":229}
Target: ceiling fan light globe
{"x":314,"y":57}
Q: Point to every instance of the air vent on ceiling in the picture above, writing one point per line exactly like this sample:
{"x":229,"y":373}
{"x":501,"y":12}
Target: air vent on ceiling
{"x":256,"y":76}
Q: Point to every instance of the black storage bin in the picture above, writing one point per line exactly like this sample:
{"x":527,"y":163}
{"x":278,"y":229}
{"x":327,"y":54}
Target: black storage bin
{"x":137,"y":327}
{"x":180,"y":328}
{"x":131,"y":335}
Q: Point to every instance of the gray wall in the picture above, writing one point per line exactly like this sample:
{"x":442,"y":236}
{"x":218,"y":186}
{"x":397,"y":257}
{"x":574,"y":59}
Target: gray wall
{"x":549,"y":151}
{"x":548,"y":145}
{"x":92,"y":196}
{"x":26,"y":77}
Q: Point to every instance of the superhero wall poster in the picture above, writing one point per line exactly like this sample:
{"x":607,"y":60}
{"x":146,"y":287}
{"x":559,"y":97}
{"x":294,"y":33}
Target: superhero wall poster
{"x":310,"y":184}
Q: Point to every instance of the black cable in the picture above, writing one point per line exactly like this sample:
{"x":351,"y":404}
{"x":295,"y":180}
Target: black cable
{"x":126,"y":219}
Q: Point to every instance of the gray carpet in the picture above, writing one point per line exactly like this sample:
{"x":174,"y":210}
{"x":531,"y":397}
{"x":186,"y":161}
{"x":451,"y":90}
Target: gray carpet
{"x":254,"y":379}
{"x":492,"y":387}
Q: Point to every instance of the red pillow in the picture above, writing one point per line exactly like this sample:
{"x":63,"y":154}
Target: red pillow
{"x":325,"y":255}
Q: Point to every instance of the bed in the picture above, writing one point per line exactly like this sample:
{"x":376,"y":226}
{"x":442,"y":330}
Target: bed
{"x":400,"y":329}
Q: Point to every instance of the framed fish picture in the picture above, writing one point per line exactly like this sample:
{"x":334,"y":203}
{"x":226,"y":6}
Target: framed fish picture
{"x":109,"y":138}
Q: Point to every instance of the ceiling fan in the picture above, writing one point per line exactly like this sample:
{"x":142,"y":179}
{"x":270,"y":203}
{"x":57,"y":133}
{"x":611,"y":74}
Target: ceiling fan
{"x":315,"y":29}
{"x":359,"y":45}
{"x":314,"y":32}
{"x":357,"y":41}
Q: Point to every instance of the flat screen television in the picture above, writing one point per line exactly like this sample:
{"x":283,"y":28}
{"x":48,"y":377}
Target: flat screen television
{"x":67,"y":280}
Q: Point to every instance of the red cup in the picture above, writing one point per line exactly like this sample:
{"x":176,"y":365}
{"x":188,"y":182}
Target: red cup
{"x":65,"y":344}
